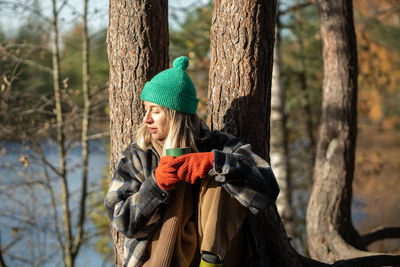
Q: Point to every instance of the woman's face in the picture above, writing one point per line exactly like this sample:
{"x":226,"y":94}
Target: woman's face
{"x":156,"y":121}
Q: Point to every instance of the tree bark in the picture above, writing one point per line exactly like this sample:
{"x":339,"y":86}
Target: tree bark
{"x":137,"y":44}
{"x":241,"y":69}
{"x":242,"y":41}
{"x":331,"y":234}
{"x":280,"y":161}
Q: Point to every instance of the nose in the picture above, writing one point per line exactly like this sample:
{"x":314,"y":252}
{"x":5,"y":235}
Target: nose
{"x":147,"y":118}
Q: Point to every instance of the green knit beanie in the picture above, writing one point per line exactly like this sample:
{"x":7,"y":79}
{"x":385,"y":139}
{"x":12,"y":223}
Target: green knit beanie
{"x":173,"y":88}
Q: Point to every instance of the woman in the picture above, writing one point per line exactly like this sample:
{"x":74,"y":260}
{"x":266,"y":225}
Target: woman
{"x":190,"y":209}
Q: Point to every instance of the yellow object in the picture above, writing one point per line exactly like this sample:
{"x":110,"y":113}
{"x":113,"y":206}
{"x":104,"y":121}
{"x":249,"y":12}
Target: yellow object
{"x":207,"y":264}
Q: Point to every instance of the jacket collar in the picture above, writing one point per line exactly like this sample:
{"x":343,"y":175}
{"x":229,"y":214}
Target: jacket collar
{"x":205,"y":141}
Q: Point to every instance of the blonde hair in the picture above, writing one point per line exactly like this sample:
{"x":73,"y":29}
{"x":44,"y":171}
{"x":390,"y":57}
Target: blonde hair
{"x":183,"y":131}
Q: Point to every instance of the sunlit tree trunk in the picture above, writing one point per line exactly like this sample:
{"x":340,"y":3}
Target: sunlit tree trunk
{"x":331,"y":234}
{"x":280,"y":162}
{"x":330,"y":231}
{"x":241,"y":69}
{"x":242,"y":41}
{"x":137,"y":50}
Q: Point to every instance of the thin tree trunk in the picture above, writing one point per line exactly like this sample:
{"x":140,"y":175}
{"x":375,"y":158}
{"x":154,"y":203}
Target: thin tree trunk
{"x":84,"y":136}
{"x":137,"y":50}
{"x":68,"y":261}
{"x":280,"y":161}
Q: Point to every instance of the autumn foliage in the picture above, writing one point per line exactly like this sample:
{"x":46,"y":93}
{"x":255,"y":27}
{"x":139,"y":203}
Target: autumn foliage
{"x":377,"y":29}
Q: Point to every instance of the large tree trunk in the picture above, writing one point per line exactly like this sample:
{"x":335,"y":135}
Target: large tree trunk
{"x":137,"y":50}
{"x":331,"y":234}
{"x":240,"y":70}
{"x":242,"y":41}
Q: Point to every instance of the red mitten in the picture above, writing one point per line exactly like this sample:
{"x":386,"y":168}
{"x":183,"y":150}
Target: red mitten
{"x":194,"y":166}
{"x":166,"y":173}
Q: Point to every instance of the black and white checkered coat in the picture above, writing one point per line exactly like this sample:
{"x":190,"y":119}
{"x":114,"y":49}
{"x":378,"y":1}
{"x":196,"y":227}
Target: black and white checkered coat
{"x":135,"y":204}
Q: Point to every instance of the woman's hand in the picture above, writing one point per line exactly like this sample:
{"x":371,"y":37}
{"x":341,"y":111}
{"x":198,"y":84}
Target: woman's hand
{"x":194,"y":165}
{"x":188,"y":168}
{"x":166,"y":173}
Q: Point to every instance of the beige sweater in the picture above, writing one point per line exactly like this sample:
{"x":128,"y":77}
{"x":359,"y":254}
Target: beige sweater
{"x":175,"y":243}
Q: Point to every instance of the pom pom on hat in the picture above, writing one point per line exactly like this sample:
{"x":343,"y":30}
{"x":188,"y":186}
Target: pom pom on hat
{"x":173,"y":88}
{"x":181,"y":63}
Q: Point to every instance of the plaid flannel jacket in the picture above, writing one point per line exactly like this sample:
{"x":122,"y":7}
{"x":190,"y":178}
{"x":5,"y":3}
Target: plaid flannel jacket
{"x":135,"y":204}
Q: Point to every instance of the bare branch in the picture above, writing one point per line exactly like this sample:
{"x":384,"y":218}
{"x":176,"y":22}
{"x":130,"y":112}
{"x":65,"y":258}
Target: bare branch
{"x":73,"y":8}
{"x":21,"y":259}
{"x":296,"y":7}
{"x":44,"y":159}
{"x":97,"y":136}
{"x":11,"y":244}
{"x":387,"y":11}
{"x":27,"y":61}
{"x":26,"y":183}
{"x":52,"y":197}
{"x":186,"y":8}
{"x":63,"y":4}
{"x":27,"y":46}
{"x":380,"y":233}
{"x":26,"y":7}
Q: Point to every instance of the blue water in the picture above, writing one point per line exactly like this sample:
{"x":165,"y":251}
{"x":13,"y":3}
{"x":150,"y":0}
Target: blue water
{"x":26,"y":216}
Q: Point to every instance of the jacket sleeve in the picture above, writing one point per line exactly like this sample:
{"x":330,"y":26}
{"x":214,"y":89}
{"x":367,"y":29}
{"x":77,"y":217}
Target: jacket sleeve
{"x":134,"y":198}
{"x":245,"y":175}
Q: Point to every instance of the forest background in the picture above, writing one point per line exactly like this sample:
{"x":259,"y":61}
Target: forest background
{"x":30,"y":185}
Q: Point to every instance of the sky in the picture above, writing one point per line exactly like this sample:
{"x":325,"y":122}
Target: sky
{"x":11,"y":15}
